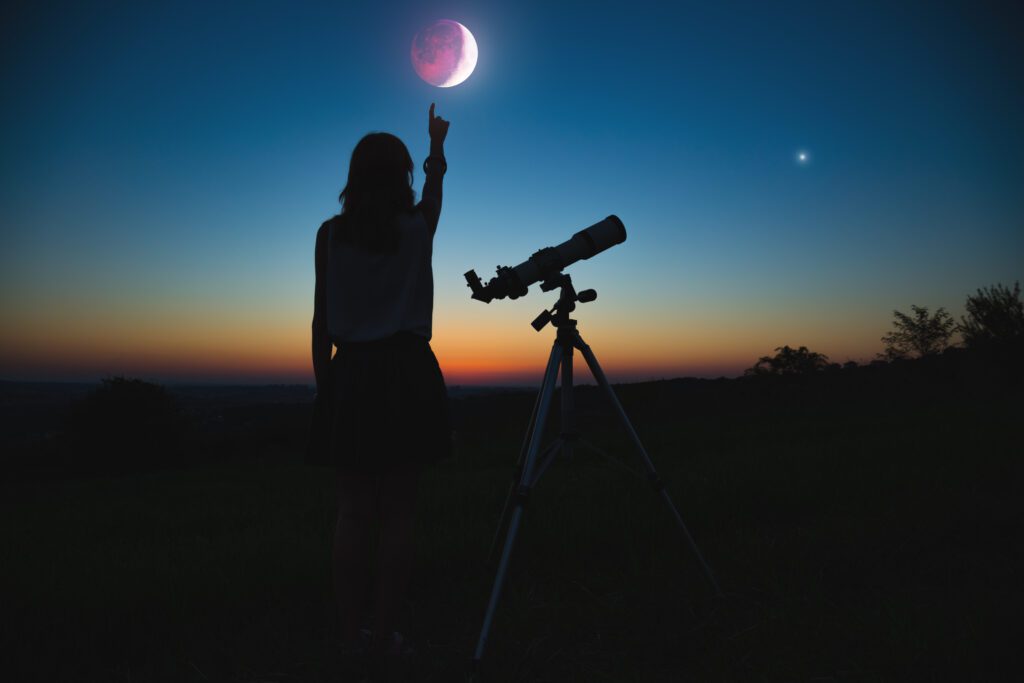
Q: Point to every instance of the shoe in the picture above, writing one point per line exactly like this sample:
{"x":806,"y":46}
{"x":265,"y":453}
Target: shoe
{"x":400,"y":646}
{"x":393,"y":662}
{"x":358,"y":647}
{"x":354,"y":656}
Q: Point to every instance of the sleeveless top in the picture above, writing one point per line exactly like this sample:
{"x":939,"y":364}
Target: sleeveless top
{"x":372,"y":296}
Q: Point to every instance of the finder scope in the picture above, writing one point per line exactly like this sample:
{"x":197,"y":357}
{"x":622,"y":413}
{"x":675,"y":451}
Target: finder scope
{"x":513,"y":282}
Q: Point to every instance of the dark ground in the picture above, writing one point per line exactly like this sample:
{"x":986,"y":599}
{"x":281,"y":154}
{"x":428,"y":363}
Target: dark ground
{"x":865,"y":525}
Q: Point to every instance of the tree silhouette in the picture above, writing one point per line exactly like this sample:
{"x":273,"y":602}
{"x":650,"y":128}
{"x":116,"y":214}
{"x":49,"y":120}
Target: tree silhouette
{"x":124,"y":424}
{"x":789,"y":361}
{"x":918,"y":335}
{"x":995,"y":316}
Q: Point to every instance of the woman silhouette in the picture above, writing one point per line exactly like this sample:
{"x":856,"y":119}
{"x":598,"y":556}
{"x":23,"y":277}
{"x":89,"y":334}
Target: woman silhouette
{"x":382,"y":395}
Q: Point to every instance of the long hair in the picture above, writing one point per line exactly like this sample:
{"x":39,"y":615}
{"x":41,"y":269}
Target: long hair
{"x":379,"y":188}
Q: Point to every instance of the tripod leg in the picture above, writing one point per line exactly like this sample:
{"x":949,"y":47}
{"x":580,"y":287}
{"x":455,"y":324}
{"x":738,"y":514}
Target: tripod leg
{"x":568,"y":402}
{"x":564,"y":444}
{"x":652,"y":474}
{"x":546,"y":391}
{"x":545,"y":459}
{"x":552,"y":367}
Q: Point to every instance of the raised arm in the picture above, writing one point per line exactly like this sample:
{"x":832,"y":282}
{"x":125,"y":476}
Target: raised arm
{"x":433,"y":168}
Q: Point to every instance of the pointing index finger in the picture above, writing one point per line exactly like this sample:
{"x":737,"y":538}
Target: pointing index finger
{"x":431,"y":111}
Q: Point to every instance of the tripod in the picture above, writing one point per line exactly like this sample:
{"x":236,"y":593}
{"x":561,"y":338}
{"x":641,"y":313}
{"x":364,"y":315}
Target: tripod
{"x":533,"y":461}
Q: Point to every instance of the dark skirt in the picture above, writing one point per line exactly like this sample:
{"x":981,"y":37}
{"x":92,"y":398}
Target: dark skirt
{"x":386,"y":405}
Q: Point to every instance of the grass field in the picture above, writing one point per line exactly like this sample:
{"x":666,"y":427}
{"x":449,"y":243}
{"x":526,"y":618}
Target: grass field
{"x":858,"y":536}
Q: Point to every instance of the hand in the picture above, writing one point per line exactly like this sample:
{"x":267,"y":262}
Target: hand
{"x":438,"y":127}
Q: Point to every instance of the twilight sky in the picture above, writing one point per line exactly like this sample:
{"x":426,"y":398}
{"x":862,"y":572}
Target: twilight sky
{"x":164,"y":168}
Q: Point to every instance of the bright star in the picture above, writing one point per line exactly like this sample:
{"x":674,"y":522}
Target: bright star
{"x":802,"y":157}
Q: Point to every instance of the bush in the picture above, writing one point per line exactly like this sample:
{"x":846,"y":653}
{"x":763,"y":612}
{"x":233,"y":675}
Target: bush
{"x":124,"y":425}
{"x":995,"y":317}
{"x":790,"y":361}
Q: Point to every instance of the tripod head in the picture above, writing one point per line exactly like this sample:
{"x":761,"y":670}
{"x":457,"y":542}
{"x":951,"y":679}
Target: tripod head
{"x":558,"y":315}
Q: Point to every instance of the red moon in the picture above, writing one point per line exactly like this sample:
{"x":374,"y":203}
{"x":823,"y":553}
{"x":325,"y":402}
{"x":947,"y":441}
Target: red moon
{"x":444,"y":54}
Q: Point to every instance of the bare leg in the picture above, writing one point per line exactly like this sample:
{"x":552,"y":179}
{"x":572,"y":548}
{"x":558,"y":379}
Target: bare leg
{"x":396,"y":507}
{"x":356,"y":493}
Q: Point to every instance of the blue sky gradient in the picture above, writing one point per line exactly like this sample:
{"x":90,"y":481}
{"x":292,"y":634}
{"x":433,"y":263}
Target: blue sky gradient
{"x":165,"y":167}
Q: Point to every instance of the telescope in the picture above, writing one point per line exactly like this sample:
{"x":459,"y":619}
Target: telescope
{"x":548,"y":262}
{"x":545,"y":266}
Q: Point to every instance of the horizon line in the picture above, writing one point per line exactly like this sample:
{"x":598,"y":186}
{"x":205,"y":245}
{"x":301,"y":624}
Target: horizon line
{"x":589,"y":381}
